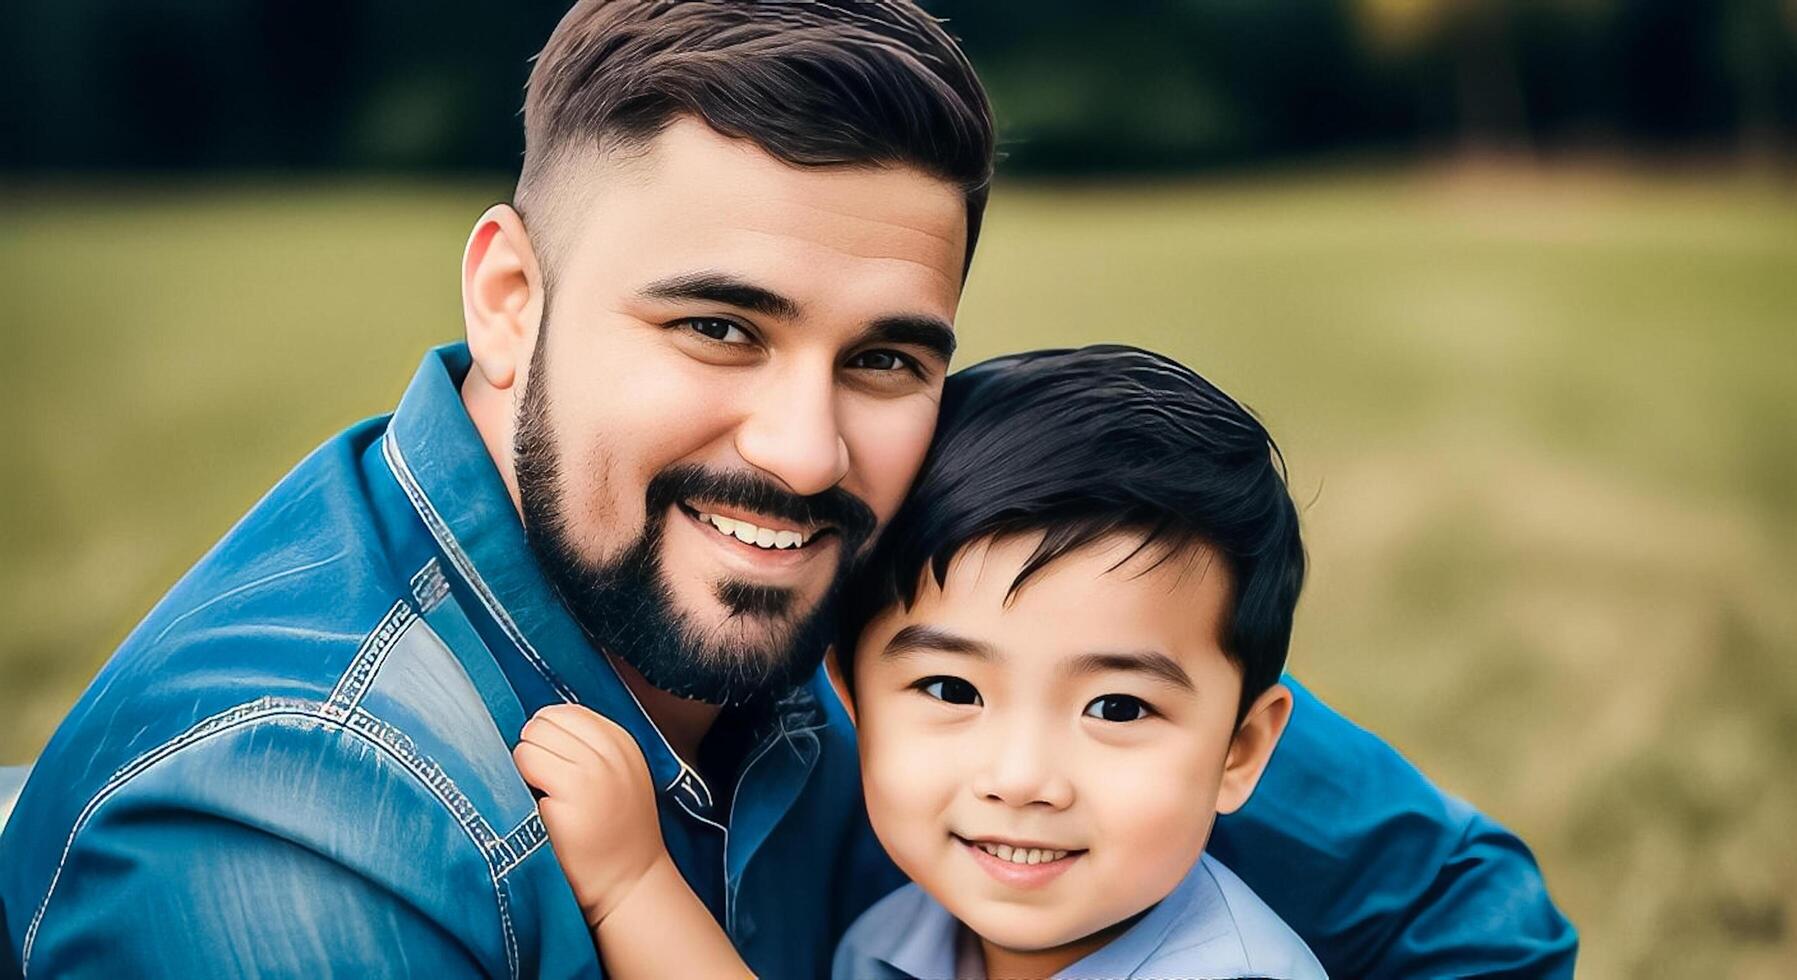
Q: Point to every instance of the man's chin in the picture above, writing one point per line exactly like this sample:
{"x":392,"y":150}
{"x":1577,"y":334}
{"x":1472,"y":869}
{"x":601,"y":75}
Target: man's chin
{"x":729,"y":656}
{"x":754,"y":636}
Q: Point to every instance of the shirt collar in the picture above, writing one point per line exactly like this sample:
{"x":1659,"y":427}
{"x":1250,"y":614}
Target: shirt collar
{"x":440,"y":461}
{"x":916,"y":935}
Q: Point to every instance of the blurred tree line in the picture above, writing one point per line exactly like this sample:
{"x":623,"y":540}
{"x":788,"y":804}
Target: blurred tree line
{"x":1080,"y":85}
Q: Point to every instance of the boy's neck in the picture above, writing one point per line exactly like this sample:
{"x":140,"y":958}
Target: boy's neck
{"x":1015,"y":964}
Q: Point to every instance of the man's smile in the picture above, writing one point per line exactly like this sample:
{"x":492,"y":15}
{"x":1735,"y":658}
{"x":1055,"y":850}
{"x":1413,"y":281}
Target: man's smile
{"x":752,"y":528}
{"x":755,"y":543}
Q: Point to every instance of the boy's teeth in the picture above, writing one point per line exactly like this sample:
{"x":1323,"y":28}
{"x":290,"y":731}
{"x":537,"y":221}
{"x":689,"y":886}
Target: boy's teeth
{"x":748,"y":533}
{"x":1022,"y":855}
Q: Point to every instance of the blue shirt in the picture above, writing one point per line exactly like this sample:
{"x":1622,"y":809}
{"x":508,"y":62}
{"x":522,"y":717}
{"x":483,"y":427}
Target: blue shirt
{"x":1212,"y":926}
{"x":299,"y":763}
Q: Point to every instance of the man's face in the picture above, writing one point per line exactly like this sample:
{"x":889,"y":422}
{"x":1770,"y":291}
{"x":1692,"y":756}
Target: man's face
{"x":1048,"y":764}
{"x":735,"y":381}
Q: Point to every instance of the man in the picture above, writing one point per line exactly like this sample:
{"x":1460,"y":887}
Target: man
{"x":702,"y":365}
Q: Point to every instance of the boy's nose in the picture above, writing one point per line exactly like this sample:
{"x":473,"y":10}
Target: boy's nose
{"x":1022,"y":772}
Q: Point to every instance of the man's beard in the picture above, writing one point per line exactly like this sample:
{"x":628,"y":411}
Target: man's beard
{"x":626,"y":606}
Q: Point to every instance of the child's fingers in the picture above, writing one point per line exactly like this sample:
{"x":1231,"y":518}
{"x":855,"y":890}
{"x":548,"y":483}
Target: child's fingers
{"x":598,"y":732}
{"x":545,"y":770}
{"x":557,"y":739}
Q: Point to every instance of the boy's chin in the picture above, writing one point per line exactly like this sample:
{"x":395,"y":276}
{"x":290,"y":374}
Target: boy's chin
{"x":1022,"y":930}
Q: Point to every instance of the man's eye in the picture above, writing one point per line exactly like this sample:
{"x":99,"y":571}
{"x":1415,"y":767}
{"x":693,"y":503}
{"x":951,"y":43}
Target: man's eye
{"x":1117,"y":707}
{"x":881,"y":360}
{"x":953,"y":690}
{"x":714,"y":328}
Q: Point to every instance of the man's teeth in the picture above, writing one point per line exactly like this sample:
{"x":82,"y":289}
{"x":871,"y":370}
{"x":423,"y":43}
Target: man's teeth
{"x":761,"y":537}
{"x":1021,"y":855}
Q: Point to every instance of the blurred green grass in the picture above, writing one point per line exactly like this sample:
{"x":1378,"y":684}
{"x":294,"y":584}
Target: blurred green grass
{"x":1540,"y":425}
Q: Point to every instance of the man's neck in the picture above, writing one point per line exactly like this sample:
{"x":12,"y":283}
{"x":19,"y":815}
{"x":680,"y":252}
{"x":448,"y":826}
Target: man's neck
{"x":491,"y":410}
{"x":681,"y":721}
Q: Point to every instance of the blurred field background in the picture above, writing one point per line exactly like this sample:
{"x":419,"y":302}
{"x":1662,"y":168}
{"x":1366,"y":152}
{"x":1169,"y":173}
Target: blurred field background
{"x":1515,"y":285}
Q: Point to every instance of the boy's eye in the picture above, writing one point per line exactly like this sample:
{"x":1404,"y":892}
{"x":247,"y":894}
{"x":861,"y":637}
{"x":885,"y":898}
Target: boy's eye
{"x":716,"y":328}
{"x":953,"y":690}
{"x":1117,"y":707}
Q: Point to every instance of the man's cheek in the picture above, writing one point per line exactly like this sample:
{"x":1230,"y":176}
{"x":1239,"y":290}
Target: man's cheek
{"x":887,"y":448}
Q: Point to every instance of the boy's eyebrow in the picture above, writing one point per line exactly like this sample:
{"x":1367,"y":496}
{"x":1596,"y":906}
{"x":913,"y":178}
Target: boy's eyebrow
{"x":918,"y":637}
{"x":1151,"y":662}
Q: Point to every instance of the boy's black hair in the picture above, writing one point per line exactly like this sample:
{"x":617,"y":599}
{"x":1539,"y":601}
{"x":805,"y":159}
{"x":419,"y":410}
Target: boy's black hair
{"x":1078,"y":444}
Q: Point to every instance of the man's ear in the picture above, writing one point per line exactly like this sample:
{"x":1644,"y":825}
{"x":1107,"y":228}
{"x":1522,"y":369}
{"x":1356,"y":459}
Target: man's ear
{"x":502,"y":295}
{"x":833,"y":670}
{"x":1253,"y":746}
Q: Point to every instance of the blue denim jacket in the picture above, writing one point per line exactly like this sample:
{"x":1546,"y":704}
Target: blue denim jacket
{"x":299,"y":764}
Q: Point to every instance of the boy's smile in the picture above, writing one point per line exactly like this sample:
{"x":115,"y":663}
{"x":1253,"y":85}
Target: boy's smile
{"x":1047,"y":763}
{"x":1020,"y":864}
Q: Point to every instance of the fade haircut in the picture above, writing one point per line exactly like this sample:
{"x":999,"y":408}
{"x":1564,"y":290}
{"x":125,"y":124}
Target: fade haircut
{"x":814,"y":83}
{"x":1081,"y":444}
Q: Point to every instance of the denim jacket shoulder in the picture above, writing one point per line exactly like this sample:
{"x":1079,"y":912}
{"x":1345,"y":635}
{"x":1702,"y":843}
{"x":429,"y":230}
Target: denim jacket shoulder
{"x":291,"y":695}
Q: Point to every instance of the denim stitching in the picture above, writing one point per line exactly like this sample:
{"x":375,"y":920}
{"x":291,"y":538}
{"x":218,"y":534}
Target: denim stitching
{"x":439,"y":529}
{"x":427,"y":772}
{"x":505,"y":925}
{"x":288,"y":710}
{"x":522,"y":841}
{"x":429,"y":587}
{"x":367,"y":662}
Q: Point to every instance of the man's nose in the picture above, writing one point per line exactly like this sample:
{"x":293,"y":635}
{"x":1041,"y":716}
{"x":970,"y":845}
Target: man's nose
{"x":1021,"y":770}
{"x":791,"y":433}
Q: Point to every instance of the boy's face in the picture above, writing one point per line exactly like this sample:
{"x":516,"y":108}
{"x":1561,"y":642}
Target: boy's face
{"x":1082,"y":731}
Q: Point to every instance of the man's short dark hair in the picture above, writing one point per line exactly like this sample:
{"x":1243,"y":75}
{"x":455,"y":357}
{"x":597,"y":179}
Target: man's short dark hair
{"x":815,"y":83}
{"x":1081,"y":444}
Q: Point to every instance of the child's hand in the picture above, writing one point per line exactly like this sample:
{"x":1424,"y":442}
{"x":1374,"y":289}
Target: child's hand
{"x":598,"y":803}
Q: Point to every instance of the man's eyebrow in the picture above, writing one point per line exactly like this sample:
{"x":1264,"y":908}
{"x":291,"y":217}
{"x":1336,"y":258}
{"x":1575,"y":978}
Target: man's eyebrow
{"x":931,"y":333}
{"x":917,"y":637}
{"x":721,"y":287}
{"x":1151,"y":662}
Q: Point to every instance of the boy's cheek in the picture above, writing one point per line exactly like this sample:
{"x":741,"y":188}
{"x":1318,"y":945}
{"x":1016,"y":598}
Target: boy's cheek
{"x":1153,"y":811}
{"x":907,"y":776}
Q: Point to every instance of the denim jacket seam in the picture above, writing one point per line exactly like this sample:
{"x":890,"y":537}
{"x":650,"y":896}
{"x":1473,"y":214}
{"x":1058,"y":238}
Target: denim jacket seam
{"x":333,"y":714}
{"x":521,"y":842}
{"x":452,"y":549}
{"x":356,"y":679}
{"x":439,"y":530}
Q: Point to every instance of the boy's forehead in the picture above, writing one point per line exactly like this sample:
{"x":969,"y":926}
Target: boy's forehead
{"x":1111,"y":593}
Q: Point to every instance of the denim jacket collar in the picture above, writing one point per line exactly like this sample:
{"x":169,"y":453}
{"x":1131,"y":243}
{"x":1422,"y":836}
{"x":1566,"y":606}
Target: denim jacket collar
{"x":443,"y":465}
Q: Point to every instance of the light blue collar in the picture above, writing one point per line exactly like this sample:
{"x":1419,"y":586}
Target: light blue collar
{"x":1211,"y":925}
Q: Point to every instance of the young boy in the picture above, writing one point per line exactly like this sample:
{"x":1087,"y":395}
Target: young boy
{"x":1063,"y":658}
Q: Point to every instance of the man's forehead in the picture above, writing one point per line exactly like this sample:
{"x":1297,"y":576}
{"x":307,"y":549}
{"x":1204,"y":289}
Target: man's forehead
{"x":694,"y":191}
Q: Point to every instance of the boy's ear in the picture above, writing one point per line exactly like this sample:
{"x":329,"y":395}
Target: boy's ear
{"x":1253,"y":746}
{"x":833,"y":670}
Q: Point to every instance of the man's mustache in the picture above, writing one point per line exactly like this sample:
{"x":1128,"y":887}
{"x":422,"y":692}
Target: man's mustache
{"x":751,"y":491}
